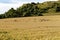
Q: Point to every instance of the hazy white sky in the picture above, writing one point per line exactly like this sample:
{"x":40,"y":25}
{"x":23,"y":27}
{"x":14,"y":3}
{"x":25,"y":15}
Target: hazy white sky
{"x":7,"y":4}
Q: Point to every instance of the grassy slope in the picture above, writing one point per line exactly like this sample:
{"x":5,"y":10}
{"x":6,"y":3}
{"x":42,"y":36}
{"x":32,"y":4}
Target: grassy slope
{"x":50,"y":13}
{"x":30,"y":28}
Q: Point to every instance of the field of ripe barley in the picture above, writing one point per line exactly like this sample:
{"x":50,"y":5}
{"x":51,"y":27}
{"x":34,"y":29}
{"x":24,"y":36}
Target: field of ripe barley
{"x":30,"y":28}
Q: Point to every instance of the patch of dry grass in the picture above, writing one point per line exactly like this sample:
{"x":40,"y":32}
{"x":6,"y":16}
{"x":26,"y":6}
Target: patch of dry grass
{"x":30,"y":28}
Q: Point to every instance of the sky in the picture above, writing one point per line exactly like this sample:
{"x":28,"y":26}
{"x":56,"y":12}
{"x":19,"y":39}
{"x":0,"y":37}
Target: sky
{"x":5,"y":5}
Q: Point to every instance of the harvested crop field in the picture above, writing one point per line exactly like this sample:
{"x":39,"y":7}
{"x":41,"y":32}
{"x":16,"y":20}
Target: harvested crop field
{"x":30,"y":28}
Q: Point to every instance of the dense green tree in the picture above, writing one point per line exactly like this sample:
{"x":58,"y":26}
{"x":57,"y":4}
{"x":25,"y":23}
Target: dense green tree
{"x":11,"y":13}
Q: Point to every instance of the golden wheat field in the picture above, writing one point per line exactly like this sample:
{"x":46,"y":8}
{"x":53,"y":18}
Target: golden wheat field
{"x":30,"y":28}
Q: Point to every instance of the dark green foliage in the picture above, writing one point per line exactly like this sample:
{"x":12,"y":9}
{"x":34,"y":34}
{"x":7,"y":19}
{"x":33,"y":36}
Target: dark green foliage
{"x":33,"y":9}
{"x":29,"y":10}
{"x":2,"y":16}
{"x":58,"y":7}
{"x":11,"y":13}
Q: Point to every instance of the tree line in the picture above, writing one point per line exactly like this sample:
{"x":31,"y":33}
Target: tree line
{"x":32,"y":9}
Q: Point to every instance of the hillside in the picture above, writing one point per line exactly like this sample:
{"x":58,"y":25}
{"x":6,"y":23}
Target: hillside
{"x":31,"y":21}
{"x":34,"y":9}
{"x":30,"y":28}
